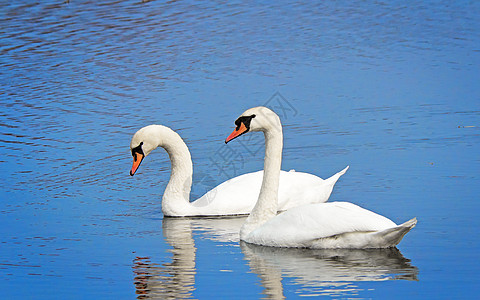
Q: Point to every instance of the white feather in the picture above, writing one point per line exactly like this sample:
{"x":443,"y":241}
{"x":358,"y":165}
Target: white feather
{"x":236,"y":196}
{"x":319,"y":225}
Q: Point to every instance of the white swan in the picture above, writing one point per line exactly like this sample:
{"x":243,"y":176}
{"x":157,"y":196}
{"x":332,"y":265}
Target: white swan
{"x":321,"y":225}
{"x":236,"y":196}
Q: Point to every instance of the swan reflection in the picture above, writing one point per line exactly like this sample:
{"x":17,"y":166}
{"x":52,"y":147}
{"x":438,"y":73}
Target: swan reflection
{"x":176,"y":279}
{"x":317,"y":272}
{"x":325,"y":272}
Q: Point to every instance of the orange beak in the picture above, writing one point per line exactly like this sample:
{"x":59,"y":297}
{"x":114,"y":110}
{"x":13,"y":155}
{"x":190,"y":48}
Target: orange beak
{"x":237,"y":132}
{"x":137,"y":159}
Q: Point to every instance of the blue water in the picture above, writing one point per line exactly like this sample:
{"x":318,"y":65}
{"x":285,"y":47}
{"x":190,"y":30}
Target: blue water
{"x":390,"y":89}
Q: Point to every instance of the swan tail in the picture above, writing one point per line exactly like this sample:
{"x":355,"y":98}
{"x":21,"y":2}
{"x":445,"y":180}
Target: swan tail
{"x":333,"y":179}
{"x":392,"y":236}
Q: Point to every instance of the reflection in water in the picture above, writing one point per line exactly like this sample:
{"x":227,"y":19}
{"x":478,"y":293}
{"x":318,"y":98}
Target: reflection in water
{"x":176,"y":280}
{"x":224,"y":229}
{"x":320,"y":272}
{"x":325,"y":272}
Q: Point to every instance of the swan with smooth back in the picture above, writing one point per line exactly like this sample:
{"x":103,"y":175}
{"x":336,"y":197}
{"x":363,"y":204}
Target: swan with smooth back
{"x":319,"y":225}
{"x":236,"y":196}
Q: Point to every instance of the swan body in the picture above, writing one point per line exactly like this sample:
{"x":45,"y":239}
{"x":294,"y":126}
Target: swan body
{"x":317,"y":225}
{"x":236,"y":196}
{"x":328,"y":226}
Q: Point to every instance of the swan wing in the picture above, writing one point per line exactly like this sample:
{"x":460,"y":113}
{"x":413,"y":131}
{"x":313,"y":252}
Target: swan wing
{"x":300,"y":226}
{"x":298,"y":188}
{"x":234,"y":196}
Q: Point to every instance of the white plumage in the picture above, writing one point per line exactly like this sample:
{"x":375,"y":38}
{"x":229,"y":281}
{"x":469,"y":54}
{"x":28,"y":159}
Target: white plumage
{"x":319,"y":225}
{"x":236,"y":196}
{"x":329,"y":225}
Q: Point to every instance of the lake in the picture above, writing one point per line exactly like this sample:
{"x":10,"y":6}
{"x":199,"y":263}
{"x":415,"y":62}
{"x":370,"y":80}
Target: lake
{"x":389,"y":88}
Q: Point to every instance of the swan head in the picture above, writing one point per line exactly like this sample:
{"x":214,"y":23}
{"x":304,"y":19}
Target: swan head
{"x":258,"y":118}
{"x":143,"y":142}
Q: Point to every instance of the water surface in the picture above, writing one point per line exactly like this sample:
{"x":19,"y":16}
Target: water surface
{"x":390,"y":89}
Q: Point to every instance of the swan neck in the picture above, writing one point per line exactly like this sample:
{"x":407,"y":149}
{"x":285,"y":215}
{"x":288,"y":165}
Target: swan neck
{"x":267,"y":203}
{"x":272,"y":166}
{"x":176,"y":197}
